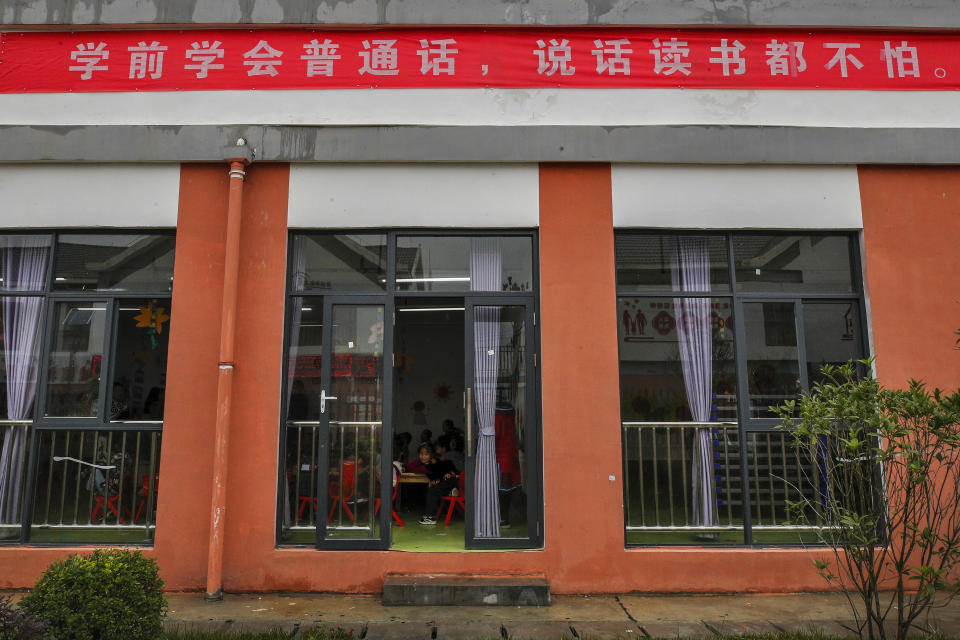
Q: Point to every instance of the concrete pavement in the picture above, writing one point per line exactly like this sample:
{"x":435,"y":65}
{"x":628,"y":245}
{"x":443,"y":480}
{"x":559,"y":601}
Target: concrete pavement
{"x":588,"y":616}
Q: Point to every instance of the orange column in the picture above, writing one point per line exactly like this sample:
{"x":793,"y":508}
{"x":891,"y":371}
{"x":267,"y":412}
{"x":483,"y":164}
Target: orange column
{"x":183,"y":500}
{"x":911,"y":227}
{"x":258,"y":384}
{"x":579,"y":372}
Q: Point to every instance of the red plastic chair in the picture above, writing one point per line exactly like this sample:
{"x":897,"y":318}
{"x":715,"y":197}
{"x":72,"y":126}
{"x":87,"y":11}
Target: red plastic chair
{"x":347,"y":485}
{"x":111,"y":506}
{"x":454,"y":501}
{"x":145,"y":487}
{"x":396,"y":518}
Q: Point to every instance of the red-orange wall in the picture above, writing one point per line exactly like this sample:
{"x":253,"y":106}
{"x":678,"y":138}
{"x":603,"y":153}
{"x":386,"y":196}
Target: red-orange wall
{"x":910,"y":225}
{"x":911,"y":231}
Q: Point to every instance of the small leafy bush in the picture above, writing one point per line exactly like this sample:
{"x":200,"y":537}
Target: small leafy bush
{"x":111,"y":594}
{"x":17,"y":625}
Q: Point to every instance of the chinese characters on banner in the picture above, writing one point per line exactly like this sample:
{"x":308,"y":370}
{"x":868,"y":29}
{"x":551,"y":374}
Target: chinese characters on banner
{"x":476,"y":57}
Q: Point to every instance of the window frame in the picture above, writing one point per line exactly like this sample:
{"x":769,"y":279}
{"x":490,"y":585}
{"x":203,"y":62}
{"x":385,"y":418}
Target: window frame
{"x":746,"y":424}
{"x":101,"y":423}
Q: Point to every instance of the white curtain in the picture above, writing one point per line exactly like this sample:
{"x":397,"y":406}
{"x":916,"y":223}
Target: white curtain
{"x":690,"y":272}
{"x":485,"y":275}
{"x":25,"y":260}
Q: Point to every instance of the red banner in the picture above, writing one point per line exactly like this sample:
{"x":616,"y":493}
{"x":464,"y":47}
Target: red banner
{"x":474,"y":57}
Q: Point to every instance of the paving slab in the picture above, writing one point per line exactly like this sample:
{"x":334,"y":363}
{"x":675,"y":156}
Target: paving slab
{"x":676,"y":629}
{"x":574,"y":617}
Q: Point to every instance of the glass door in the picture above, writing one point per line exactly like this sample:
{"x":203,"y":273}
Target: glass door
{"x":355,"y":388}
{"x":503,"y":493}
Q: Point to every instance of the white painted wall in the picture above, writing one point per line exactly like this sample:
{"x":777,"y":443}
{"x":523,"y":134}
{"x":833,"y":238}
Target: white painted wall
{"x":736,"y":197}
{"x":120,"y":195}
{"x":505,"y":107}
{"x":413,"y":195}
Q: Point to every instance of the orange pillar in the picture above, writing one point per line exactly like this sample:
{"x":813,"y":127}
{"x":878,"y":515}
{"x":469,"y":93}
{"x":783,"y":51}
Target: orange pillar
{"x":190,"y":409}
{"x":579,"y":373}
{"x":910,"y":229}
{"x":228,"y":322}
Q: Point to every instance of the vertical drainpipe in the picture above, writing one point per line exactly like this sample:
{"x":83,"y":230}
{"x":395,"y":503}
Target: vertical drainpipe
{"x":238,"y":157}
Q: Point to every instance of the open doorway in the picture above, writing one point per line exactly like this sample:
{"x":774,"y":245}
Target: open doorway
{"x":428,"y":409}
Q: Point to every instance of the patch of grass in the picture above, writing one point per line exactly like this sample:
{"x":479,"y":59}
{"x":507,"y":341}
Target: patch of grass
{"x":276,"y":634}
{"x":322,"y":632}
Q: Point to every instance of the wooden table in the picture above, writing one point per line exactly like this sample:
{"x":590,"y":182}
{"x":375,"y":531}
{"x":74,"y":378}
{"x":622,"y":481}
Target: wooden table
{"x":413,"y":478}
{"x":410,"y":478}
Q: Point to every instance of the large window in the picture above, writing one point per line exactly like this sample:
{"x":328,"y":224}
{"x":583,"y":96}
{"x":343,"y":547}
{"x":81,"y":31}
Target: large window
{"x":714,"y":329}
{"x":85,"y":326}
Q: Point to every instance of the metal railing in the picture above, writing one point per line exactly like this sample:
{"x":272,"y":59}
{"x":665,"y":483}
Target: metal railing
{"x":96,"y":479}
{"x":659,"y":481}
{"x":351,"y":486}
{"x":781,"y":475}
{"x":659,"y":477}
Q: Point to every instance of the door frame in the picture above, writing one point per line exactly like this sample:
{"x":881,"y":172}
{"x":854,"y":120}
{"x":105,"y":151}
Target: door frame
{"x":387,"y":297}
{"x":532,"y":469}
{"x":386,"y":432}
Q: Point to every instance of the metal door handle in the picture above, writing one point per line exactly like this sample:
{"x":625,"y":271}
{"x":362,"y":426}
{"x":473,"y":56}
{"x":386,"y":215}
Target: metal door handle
{"x":323,"y":400}
{"x":469,"y":421}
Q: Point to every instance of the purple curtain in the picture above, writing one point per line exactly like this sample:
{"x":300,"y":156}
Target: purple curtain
{"x":25,"y":262}
{"x":485,"y":275}
{"x":690,"y":271}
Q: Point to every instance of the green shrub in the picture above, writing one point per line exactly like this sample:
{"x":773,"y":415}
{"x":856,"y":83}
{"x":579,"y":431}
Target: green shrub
{"x":109,"y":595}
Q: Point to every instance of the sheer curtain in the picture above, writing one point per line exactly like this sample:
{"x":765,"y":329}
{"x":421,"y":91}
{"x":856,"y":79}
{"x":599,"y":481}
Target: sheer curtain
{"x":24,"y":261}
{"x":690,"y":272}
{"x":485,"y":275}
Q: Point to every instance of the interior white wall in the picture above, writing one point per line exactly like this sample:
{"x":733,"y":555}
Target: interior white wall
{"x":414,"y":195}
{"x":736,"y":197}
{"x":80,"y":195}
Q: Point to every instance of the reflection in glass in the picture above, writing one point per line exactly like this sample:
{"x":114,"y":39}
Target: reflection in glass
{"x":792,"y":263}
{"x":137,"y":390}
{"x":339,"y":262}
{"x":73,"y":375}
{"x":651,"y":372}
{"x":645,"y":262}
{"x":114,"y":263}
{"x":354,"y":405}
{"x":831,"y":332}
{"x":96,"y":486}
{"x":305,"y":359}
{"x":443,"y":263}
{"x":302,"y":443}
{"x":773,"y":368}
{"x":673,"y":352}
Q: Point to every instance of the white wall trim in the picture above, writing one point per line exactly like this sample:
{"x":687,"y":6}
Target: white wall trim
{"x":497,"y":107}
{"x":414,"y":195}
{"x":77,"y":195}
{"x":736,"y":197}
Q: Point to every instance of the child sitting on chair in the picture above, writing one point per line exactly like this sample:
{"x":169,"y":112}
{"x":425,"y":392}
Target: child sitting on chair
{"x":443,"y":477}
